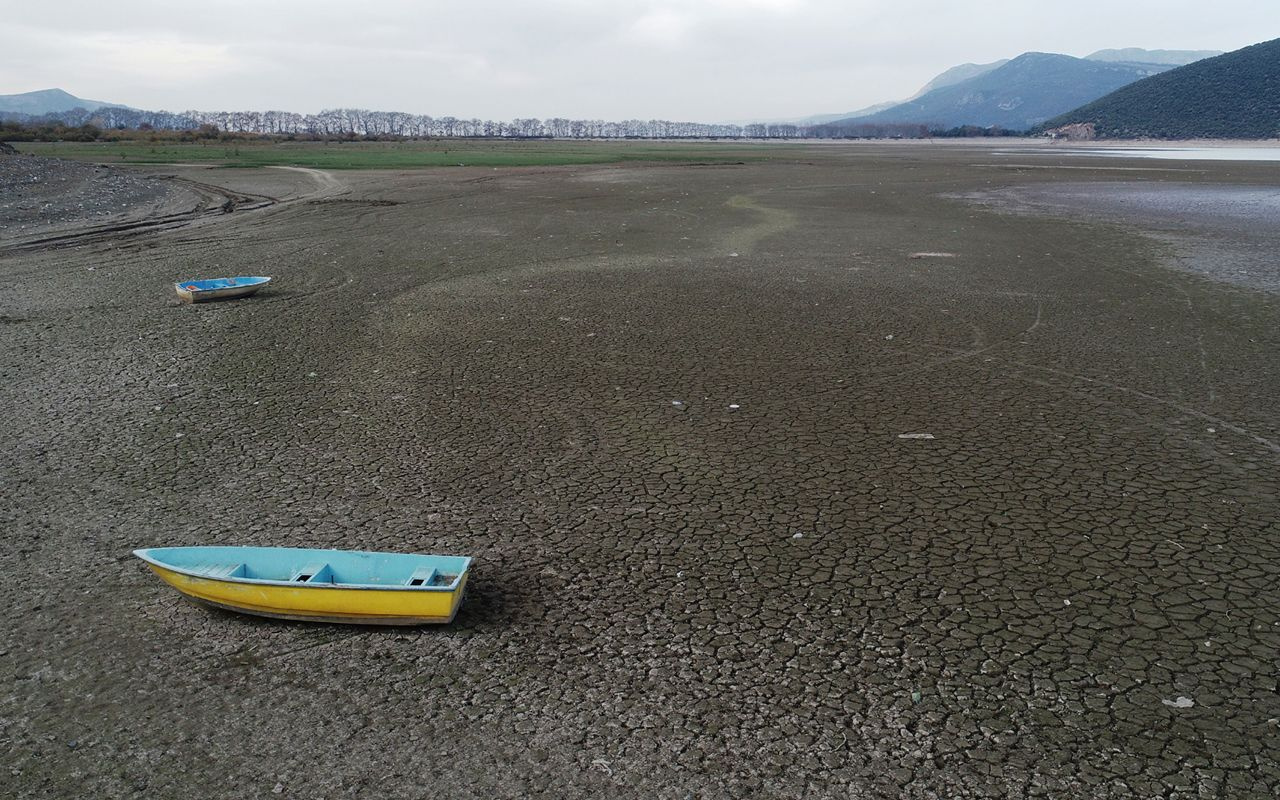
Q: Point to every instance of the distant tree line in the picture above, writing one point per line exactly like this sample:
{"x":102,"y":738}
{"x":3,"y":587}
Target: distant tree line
{"x":355,"y":123}
{"x":44,"y":129}
{"x":970,"y":131}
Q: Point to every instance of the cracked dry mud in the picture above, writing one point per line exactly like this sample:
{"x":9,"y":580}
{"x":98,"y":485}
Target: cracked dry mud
{"x":663,"y":407}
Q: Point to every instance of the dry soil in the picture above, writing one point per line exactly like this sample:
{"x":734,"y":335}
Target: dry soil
{"x":678,"y":415}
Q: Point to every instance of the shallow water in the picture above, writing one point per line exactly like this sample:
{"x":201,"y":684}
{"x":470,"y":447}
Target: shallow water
{"x":1174,"y":153}
{"x":1222,"y":232}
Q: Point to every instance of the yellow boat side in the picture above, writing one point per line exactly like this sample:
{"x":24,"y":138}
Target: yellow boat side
{"x":320,"y":604}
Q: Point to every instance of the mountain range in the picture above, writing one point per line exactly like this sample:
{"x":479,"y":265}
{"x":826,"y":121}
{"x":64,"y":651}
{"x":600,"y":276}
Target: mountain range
{"x":1125,"y":92}
{"x":1136,"y":55}
{"x":1236,"y":95}
{"x":949,"y":77}
{"x":1025,"y":91}
{"x":48,"y":101}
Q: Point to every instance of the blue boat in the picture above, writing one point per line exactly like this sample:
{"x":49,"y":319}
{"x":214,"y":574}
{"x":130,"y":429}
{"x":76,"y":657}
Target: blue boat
{"x":351,"y":586}
{"x":200,"y":291}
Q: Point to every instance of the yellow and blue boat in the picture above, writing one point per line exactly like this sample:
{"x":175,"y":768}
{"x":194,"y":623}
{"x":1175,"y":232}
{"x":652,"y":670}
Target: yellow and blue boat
{"x":351,"y":586}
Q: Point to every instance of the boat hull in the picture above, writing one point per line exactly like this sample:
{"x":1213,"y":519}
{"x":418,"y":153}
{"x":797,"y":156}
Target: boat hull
{"x":314,"y":604}
{"x":349,"y":586}
{"x":337,"y":619}
{"x":219,"y":288}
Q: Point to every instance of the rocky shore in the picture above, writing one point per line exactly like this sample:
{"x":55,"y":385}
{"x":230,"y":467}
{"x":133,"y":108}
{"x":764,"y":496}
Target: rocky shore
{"x":39,"y":195}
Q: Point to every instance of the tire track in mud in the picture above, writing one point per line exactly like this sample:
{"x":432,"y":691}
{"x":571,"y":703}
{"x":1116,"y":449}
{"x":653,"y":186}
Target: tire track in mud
{"x":206,"y":208}
{"x":213,"y":203}
{"x":327,"y":184}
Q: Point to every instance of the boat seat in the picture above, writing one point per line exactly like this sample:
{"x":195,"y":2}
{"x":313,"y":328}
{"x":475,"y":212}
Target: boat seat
{"x":422,"y":576}
{"x":319,"y":572}
{"x":220,"y":570}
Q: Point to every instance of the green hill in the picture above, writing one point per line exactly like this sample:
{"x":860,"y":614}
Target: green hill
{"x":1232,"y":96}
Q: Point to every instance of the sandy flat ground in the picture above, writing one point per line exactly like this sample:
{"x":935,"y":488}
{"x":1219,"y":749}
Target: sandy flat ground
{"x":678,"y":416}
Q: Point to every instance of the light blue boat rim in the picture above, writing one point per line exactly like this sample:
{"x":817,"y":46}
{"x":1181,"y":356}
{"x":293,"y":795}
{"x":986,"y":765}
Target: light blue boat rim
{"x":381,"y":571}
{"x":209,"y":284}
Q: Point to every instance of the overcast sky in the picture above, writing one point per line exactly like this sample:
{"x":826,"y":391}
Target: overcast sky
{"x":695,"y":60}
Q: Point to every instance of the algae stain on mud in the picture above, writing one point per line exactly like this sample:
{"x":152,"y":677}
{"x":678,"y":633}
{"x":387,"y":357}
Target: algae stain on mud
{"x":768,"y":222}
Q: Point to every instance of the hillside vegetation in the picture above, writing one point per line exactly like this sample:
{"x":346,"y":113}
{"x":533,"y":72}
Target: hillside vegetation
{"x":1232,"y":96}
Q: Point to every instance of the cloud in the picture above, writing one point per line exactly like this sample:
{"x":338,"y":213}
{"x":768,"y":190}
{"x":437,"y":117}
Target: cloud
{"x":161,"y":60}
{"x":784,"y":6}
{"x":56,"y":58}
{"x":662,"y":27}
{"x":688,"y":59}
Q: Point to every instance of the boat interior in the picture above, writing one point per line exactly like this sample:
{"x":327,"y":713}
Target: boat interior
{"x":208,"y":284}
{"x":315,"y":567}
{"x":320,"y":572}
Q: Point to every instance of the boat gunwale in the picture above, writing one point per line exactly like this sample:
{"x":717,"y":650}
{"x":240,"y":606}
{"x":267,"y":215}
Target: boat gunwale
{"x":190,"y":292}
{"x":144,"y":554}
{"x":250,"y":282}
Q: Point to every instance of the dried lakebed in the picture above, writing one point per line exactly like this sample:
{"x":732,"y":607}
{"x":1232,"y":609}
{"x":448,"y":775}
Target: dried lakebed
{"x":761,"y":505}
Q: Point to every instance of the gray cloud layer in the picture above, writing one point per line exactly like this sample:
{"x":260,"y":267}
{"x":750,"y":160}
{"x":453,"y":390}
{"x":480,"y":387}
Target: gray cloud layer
{"x":700,"y":60}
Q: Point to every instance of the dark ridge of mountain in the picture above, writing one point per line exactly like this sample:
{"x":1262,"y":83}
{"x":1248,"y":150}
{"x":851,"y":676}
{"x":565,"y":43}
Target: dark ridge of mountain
{"x":49,"y":101}
{"x":1017,"y":95}
{"x":1136,"y":55}
{"x":1231,"y":96}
